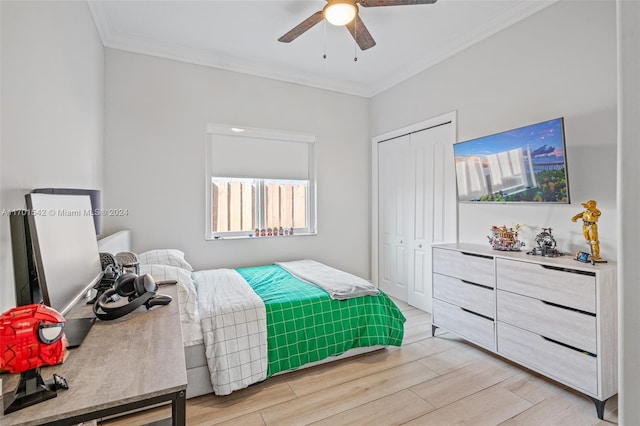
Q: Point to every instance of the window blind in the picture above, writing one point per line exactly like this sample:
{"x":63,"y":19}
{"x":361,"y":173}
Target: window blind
{"x":246,"y":156}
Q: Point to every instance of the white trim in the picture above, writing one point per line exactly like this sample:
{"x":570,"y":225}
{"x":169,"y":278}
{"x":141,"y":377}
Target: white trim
{"x":115,"y":39}
{"x":101,"y":19}
{"x":422,"y":125}
{"x":252,"y":132}
{"x":280,"y":135}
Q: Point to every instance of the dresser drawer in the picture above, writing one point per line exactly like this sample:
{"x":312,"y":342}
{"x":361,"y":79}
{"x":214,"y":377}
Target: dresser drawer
{"x":560,"y":286}
{"x":473,"y":297}
{"x":466,"y":266}
{"x":566,"y":365}
{"x":572,"y":328}
{"x":472,"y":327}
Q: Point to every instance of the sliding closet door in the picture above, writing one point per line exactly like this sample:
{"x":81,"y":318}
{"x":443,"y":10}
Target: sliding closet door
{"x":433,"y":210}
{"x":394,"y":206}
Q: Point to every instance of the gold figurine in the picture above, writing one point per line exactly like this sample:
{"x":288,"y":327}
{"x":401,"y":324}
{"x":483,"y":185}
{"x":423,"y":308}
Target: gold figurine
{"x":590,"y":227}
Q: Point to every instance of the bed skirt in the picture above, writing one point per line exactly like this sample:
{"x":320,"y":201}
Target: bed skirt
{"x":199,"y":380}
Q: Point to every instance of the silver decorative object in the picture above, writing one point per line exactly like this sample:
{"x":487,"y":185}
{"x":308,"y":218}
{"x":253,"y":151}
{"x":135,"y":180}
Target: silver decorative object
{"x":546,"y":245}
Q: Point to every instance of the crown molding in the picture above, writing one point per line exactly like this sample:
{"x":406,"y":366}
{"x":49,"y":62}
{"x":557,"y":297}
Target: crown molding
{"x":115,"y":39}
{"x":101,"y":19}
{"x":210,"y":59}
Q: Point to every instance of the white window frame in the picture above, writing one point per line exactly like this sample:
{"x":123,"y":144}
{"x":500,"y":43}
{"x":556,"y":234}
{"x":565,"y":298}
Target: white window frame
{"x":227,"y":130}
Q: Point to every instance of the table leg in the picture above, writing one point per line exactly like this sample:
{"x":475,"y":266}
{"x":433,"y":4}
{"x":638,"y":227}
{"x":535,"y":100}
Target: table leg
{"x":179,"y":409}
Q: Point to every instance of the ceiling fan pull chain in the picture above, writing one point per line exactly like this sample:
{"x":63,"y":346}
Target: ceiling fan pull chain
{"x":355,"y":43}
{"x":324,"y":40}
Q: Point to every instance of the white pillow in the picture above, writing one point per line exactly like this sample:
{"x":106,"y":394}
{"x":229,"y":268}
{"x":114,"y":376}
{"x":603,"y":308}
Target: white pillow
{"x":186,"y":287}
{"x":169,"y":257}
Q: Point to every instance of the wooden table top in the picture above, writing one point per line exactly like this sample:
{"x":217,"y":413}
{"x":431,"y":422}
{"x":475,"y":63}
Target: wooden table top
{"x":129,"y":359}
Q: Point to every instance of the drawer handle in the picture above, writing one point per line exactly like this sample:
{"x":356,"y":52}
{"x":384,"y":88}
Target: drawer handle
{"x":477,"y":255}
{"x":477,"y":314}
{"x":477,"y":285}
{"x":572,"y":271}
{"x":555,"y":305}
{"x":570,"y":347}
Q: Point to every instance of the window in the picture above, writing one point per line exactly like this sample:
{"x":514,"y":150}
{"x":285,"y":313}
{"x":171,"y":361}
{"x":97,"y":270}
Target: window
{"x":233,"y":205}
{"x":240,"y":206}
{"x":285,"y":203}
{"x":259,"y":179}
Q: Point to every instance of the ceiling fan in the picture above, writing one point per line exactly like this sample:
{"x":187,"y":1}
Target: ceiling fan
{"x":345,"y":13}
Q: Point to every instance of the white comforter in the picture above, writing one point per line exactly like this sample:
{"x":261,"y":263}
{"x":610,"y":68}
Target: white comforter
{"x":234,"y":325}
{"x":339,"y":284}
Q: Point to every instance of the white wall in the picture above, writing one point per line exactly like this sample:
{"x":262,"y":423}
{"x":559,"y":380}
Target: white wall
{"x":629,"y":206}
{"x":51,"y":108}
{"x":559,"y":62}
{"x":156,"y":114}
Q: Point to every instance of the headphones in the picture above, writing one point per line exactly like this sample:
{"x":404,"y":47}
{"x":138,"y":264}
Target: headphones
{"x":139,"y":289}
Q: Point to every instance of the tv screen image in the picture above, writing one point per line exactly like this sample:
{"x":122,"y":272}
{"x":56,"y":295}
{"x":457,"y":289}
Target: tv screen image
{"x":527,"y":164}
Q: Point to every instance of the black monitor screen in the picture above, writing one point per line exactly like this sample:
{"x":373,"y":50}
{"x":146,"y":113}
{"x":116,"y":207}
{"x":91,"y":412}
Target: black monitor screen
{"x":27,"y":287}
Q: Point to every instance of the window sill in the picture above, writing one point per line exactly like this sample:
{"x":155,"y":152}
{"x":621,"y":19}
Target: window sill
{"x":273,"y":237}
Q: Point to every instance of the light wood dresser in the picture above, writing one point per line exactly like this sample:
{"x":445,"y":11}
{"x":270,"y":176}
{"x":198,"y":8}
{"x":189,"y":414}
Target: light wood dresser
{"x":556,"y":316}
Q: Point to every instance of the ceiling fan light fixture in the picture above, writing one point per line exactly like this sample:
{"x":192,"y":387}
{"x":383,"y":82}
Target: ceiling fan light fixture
{"x":340,"y":13}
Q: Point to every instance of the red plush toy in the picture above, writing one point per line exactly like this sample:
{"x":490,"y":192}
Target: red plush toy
{"x":31,"y":336}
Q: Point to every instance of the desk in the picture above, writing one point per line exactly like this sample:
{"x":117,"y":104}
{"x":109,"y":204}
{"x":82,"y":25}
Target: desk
{"x":132,"y":362}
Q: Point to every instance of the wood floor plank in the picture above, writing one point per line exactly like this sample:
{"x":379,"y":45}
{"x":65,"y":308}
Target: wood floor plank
{"x":251,"y":419}
{"x":452,"y":359}
{"x":395,"y":409}
{"x":490,"y":407}
{"x":416,"y":334}
{"x":378,"y":388}
{"x":410,"y":313}
{"x":458,"y":384}
{"x":320,"y":405}
{"x":222,"y":408}
{"x":434,"y":346}
{"x":330,"y":375}
{"x":416,"y":317}
{"x":564,"y":408}
{"x":532,"y":387}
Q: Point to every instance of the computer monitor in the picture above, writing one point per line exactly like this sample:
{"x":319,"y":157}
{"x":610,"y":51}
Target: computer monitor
{"x":65,"y":247}
{"x":27,"y":286}
{"x":94,"y":195}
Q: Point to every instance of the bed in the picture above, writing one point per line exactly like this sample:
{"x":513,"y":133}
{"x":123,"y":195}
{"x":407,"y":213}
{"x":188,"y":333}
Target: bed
{"x":242,"y":326}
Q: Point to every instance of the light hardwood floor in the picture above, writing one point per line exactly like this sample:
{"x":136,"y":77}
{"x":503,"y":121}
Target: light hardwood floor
{"x":428,"y":381}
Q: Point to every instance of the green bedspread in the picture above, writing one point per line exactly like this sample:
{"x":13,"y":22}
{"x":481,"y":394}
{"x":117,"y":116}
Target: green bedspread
{"x":305,"y":325}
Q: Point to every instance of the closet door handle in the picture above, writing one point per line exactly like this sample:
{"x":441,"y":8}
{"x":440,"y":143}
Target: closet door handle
{"x":419,"y":245}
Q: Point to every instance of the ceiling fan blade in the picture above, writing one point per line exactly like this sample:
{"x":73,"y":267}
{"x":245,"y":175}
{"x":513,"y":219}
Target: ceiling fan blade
{"x":302,"y":27}
{"x":377,"y":3}
{"x":360,"y":33}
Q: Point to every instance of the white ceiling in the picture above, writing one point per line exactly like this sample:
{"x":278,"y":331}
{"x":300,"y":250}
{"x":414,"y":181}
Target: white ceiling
{"x":241,"y":36}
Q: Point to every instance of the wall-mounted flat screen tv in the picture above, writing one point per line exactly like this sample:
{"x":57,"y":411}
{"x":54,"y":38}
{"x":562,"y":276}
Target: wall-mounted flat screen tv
{"x":527,"y":164}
